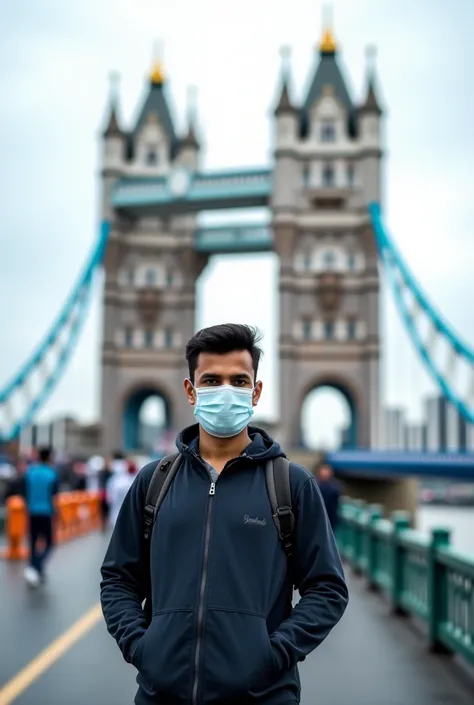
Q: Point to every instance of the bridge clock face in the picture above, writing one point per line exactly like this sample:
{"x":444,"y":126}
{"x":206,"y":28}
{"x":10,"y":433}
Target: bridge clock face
{"x":179,"y":182}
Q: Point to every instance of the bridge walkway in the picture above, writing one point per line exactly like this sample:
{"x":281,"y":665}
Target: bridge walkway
{"x":371,"y":658}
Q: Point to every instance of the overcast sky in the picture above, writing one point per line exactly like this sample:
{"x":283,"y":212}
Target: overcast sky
{"x":55,"y":58}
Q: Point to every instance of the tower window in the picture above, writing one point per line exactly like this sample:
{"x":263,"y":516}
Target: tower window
{"x":351,"y":261}
{"x":307,"y":262}
{"x":328,"y":132}
{"x":128,"y":337}
{"x":351,"y":329}
{"x":149,"y":338}
{"x":329,"y":330}
{"x":151,"y":157}
{"x":168,"y":338}
{"x":169,"y":277}
{"x":306,"y":175}
{"x":328,"y":175}
{"x":150,"y":276}
{"x":307,"y":330}
{"x":350,"y":175}
{"x":329,"y":259}
{"x":130,"y":277}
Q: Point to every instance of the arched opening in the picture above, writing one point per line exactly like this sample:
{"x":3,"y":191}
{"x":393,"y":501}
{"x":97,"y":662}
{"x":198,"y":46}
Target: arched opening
{"x":328,"y":419}
{"x":146,"y":419}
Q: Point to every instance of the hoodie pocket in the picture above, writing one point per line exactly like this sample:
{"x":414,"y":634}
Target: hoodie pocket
{"x":239,"y":657}
{"x":165,"y":654}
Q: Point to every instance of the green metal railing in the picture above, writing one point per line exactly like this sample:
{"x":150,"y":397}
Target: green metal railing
{"x":422,"y":576}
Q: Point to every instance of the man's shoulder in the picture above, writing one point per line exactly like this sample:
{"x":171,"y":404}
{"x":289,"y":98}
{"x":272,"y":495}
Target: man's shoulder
{"x":299,"y":476}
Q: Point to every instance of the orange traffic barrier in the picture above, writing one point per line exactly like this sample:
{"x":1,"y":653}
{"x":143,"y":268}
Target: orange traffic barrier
{"x":77,"y":513}
{"x":15,"y":527}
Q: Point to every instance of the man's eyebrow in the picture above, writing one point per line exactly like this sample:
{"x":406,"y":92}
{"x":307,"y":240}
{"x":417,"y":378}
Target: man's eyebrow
{"x":210,"y":375}
{"x":241,"y":375}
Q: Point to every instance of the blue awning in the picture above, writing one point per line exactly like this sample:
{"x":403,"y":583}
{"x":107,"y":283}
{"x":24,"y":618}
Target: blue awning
{"x":456,"y":466}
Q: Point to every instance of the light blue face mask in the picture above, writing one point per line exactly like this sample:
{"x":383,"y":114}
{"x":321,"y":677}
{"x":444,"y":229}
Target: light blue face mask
{"x":223,"y":411}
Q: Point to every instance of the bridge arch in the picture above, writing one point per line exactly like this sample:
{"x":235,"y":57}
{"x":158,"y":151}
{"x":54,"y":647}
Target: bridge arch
{"x":349,"y":408}
{"x":133,"y":403}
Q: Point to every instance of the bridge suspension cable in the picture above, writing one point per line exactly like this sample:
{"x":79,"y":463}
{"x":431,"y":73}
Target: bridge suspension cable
{"x":28,"y":390}
{"x":448,"y":359}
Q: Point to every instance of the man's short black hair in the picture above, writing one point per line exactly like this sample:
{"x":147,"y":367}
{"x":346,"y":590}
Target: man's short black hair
{"x":44,"y":454}
{"x":222,"y":339}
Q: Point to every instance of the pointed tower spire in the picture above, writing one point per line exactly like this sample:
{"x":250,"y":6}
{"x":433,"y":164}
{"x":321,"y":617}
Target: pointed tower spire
{"x":284,"y":104}
{"x":327,"y":45}
{"x":113,"y":127}
{"x":191,"y":140}
{"x":371,"y":103}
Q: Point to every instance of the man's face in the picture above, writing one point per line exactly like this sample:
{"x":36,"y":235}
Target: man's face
{"x":213,"y":370}
{"x":325,"y":473}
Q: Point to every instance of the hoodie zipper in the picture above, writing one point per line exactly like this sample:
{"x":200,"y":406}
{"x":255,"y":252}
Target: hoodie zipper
{"x":202,"y":590}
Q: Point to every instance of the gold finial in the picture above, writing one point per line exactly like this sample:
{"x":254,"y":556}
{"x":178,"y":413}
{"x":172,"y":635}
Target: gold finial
{"x":157,"y":76}
{"x":328,"y":40}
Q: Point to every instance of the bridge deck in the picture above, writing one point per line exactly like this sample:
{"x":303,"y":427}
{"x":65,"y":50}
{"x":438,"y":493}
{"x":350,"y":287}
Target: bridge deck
{"x":369,"y":659}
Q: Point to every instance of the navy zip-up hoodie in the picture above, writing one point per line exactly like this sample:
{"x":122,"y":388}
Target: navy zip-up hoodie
{"x":223,"y":631}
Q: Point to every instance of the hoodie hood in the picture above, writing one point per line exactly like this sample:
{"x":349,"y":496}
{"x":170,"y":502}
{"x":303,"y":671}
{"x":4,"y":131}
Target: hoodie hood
{"x":261,"y":446}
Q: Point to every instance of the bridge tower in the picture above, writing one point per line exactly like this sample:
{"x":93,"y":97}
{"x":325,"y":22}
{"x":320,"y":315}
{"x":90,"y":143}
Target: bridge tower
{"x":151,"y":268}
{"x":327,"y":170}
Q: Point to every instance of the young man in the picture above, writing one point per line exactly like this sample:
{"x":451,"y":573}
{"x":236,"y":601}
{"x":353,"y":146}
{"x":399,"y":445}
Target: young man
{"x":40,"y":485}
{"x":223,"y":630}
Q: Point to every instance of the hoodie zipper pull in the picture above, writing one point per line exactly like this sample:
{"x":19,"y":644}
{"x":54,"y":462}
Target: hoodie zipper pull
{"x":212,"y":489}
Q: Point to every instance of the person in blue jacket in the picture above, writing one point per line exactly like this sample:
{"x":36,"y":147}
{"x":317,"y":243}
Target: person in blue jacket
{"x":223,"y":629}
{"x":40,"y":485}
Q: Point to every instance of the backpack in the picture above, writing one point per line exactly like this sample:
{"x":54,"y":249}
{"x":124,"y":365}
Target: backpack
{"x":278,"y":488}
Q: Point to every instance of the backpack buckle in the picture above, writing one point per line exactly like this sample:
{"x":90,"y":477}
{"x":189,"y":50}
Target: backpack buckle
{"x":283,"y":511}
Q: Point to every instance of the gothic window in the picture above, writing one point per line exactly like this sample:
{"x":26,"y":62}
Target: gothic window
{"x":128,"y":337}
{"x":168,"y":338}
{"x":150,"y":276}
{"x":350,"y":175}
{"x":329,"y":259}
{"x":151,"y":157}
{"x":351,"y":329}
{"x":307,"y":262}
{"x":328,"y":175}
{"x":149,"y":338}
{"x":307,"y":329}
{"x":169,"y":277}
{"x":130,"y":277}
{"x":306,"y":175}
{"x":328,"y":132}
{"x":328,"y":330}
{"x":351,"y":261}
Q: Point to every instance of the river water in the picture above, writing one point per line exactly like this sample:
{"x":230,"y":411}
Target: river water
{"x":460,"y":520}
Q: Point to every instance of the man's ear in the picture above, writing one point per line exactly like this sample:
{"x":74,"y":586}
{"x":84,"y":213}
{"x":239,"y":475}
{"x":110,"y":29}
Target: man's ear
{"x":190,"y":393}
{"x":257,"y":393}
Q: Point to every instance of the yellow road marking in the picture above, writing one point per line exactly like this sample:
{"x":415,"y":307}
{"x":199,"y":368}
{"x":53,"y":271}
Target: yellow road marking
{"x":49,"y":655}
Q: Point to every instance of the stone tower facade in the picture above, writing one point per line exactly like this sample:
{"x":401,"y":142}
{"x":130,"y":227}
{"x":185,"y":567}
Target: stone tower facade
{"x":151,"y":269}
{"x":327,"y":170}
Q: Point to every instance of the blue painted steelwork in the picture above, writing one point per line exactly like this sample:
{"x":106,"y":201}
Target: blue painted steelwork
{"x":398,"y":274}
{"x":204,"y":191}
{"x":232,"y":239}
{"x":458,"y":466}
{"x":68,"y":326}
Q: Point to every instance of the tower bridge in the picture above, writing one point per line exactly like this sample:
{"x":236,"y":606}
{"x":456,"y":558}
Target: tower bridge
{"x":322,"y":196}
{"x":326,"y":169}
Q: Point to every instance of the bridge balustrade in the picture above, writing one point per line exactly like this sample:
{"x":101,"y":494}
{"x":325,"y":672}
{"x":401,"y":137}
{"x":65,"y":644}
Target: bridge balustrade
{"x":421,"y":576}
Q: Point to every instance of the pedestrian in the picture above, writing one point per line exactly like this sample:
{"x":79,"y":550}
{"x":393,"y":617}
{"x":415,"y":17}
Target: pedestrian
{"x":40,"y":485}
{"x":118,"y":485}
{"x":103,"y":479}
{"x":331,"y":492}
{"x":219,"y":557}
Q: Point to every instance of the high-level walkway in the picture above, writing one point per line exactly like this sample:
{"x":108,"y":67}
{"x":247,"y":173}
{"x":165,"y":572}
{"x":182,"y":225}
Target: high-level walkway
{"x":371,"y":658}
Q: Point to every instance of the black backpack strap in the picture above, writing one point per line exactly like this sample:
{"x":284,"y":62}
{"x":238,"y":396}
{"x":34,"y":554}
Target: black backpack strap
{"x":279,"y":492}
{"x":161,"y":479}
